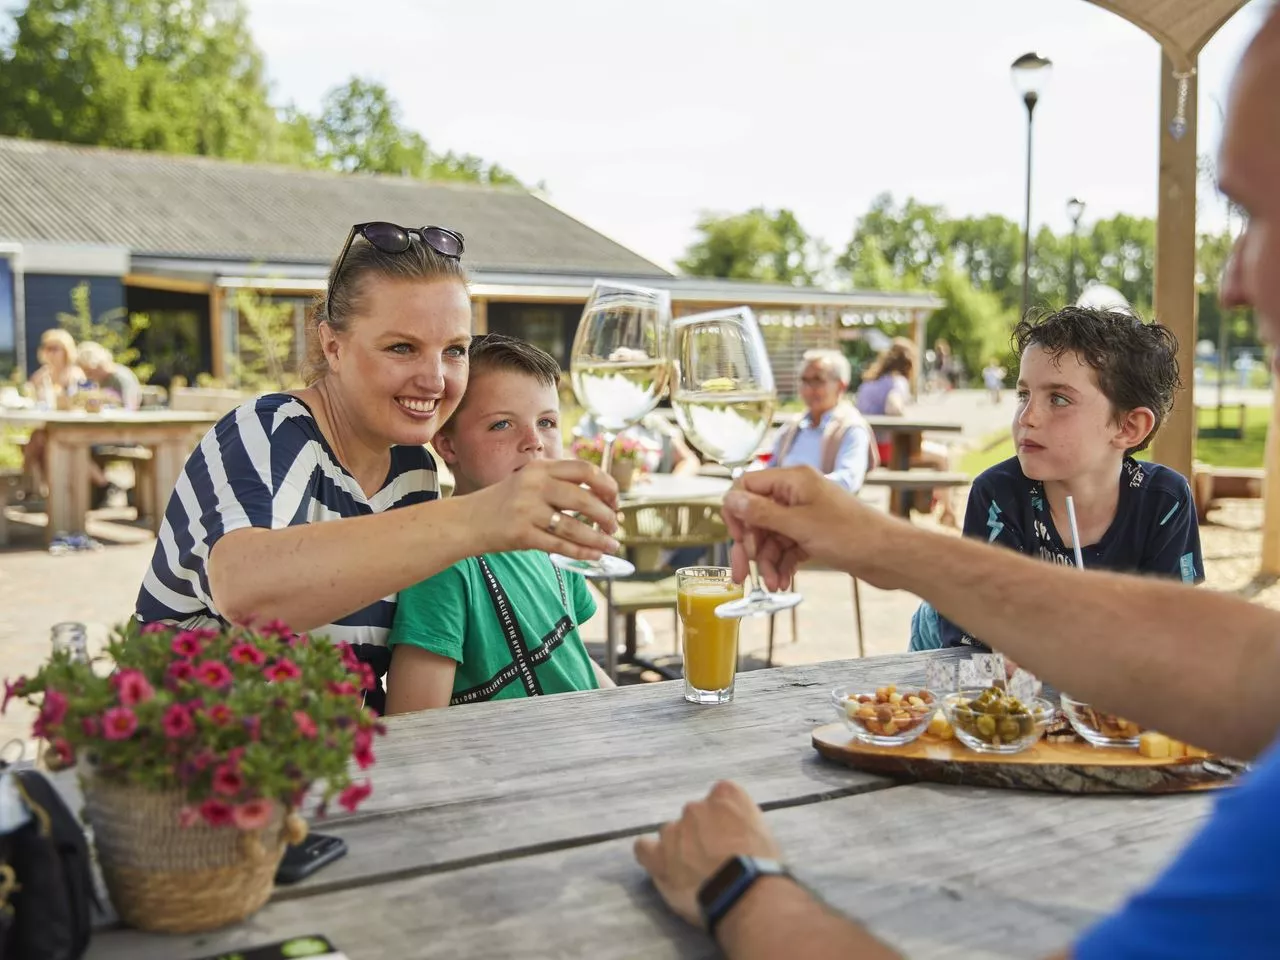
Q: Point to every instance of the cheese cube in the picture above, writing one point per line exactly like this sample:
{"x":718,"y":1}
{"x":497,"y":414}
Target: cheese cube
{"x":1154,"y":746}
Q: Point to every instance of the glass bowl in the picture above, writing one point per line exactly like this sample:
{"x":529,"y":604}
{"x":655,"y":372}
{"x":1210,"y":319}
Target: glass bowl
{"x":995,"y":732}
{"x":877,"y":718}
{"x":1100,"y":729}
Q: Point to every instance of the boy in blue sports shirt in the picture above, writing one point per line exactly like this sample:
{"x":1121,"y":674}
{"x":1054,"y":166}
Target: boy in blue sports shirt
{"x":1093,"y":388}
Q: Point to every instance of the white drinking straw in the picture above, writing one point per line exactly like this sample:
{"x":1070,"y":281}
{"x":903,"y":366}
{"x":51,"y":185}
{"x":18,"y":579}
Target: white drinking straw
{"x":1075,"y":532}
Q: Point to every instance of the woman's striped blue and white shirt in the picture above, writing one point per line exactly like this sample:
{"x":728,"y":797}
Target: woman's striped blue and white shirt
{"x":266,"y":464}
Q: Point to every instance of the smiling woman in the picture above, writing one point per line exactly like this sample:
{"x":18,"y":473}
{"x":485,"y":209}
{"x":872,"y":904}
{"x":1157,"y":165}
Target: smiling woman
{"x":247,"y":532}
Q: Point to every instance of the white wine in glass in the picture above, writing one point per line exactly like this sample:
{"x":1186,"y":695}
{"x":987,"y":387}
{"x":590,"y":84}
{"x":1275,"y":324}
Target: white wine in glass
{"x":619,"y":368}
{"x":723,"y":393}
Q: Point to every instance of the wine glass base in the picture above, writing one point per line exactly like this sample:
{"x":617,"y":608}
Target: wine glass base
{"x":758,"y":605}
{"x":606,"y":568}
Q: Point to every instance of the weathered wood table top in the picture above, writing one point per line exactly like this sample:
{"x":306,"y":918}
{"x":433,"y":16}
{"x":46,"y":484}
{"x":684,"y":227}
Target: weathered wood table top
{"x":505,"y":829}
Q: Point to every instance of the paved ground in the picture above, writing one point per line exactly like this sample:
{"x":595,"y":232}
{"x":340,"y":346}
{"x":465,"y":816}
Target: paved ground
{"x":38,"y":590}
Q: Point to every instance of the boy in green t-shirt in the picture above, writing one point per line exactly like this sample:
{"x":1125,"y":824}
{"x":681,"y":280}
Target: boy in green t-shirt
{"x":502,"y":625}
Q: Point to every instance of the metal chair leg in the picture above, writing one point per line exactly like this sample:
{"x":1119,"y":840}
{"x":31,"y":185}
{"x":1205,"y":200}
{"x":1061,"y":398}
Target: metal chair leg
{"x":857,"y":616}
{"x":773,"y":620}
{"x":610,"y":634}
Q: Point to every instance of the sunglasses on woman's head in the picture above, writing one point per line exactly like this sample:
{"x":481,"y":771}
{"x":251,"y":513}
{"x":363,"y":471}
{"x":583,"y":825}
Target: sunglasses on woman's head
{"x":392,"y":238}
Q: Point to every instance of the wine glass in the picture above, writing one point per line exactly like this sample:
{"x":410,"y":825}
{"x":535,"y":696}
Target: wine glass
{"x":723,"y":393}
{"x":619,"y":369}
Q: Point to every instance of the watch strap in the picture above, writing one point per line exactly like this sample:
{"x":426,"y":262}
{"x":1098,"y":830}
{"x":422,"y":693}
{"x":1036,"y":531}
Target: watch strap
{"x":730,"y":883}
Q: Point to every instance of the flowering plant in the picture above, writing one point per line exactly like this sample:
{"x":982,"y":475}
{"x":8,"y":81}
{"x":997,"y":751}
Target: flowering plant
{"x":237,"y":718}
{"x":625,"y":450}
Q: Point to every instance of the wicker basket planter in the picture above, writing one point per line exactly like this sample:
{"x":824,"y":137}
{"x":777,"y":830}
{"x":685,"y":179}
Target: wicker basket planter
{"x":167,"y":877}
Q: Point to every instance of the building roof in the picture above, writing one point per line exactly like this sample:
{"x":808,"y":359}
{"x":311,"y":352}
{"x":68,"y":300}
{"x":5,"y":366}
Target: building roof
{"x":177,"y":206}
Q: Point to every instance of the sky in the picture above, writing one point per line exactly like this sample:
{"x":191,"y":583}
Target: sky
{"x":641,"y":116}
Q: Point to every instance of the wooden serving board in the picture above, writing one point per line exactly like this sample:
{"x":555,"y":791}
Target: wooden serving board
{"x":1054,"y":767}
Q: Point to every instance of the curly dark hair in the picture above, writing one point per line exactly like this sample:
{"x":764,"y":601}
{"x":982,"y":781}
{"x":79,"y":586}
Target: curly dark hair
{"x":1136,"y":363}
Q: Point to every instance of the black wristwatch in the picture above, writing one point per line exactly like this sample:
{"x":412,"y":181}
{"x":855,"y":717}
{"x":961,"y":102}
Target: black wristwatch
{"x":717,"y":896}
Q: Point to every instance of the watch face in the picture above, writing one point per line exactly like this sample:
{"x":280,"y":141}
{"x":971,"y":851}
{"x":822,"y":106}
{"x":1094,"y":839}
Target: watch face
{"x":722,"y":882}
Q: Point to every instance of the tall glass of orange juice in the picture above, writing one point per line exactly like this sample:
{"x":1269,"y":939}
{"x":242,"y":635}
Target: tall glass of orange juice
{"x":710,"y":642}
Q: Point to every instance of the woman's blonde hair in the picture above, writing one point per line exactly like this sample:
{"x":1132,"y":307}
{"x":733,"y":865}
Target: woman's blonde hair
{"x":898,"y":357}
{"x":346,"y":291}
{"x":62,"y":339}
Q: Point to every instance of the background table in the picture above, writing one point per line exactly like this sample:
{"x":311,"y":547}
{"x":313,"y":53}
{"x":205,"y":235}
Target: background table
{"x":170,"y":435}
{"x":505,"y":830}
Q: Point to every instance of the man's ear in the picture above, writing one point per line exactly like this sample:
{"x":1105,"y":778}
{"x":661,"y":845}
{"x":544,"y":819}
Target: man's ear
{"x":1134,"y":427}
{"x":443,"y":444}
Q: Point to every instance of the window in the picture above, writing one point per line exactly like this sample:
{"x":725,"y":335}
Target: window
{"x":8,"y":320}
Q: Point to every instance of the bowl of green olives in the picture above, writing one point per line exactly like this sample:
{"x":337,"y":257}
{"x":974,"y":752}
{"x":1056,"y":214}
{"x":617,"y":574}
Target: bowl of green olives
{"x":993,"y":721}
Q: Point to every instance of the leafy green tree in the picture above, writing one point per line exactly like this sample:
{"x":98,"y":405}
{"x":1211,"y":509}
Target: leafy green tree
{"x":760,"y":244}
{"x":115,"y":330}
{"x":178,"y":76}
{"x":976,"y":323}
{"x":910,"y":239}
{"x":265,"y":359}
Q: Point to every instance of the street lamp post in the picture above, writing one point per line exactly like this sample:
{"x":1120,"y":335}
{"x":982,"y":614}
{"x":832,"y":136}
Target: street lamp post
{"x":1031,"y":74}
{"x":1075,"y":210}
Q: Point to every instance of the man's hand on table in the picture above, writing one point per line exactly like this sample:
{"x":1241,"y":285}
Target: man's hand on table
{"x":689,"y":851}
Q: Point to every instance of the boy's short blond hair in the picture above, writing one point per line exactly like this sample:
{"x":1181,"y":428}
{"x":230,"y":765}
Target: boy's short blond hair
{"x":491,"y":352}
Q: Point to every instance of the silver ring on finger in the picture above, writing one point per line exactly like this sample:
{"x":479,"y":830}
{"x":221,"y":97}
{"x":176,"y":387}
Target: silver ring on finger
{"x":554,"y":522}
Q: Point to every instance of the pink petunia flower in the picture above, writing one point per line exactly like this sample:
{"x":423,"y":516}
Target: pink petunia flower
{"x":188,"y":817}
{"x":204,"y":634}
{"x":177,"y":722}
{"x":12,"y":690}
{"x":219,"y":714}
{"x":228,"y":780}
{"x":132,"y":687}
{"x":247,"y":653}
{"x":54,"y":708}
{"x":186,"y":644}
{"x":156,"y":627}
{"x":118,"y":723}
{"x":252,"y":814}
{"x":349,"y":658}
{"x":363,"y":751}
{"x":368,"y":679}
{"x":213,"y":673}
{"x":283,"y":669}
{"x":217,"y":813}
{"x":180,"y":671}
{"x":306,"y":726}
{"x":354,"y":795}
{"x":344,"y":688}
{"x":277,"y":628}
{"x":90,"y":726}
{"x":63,"y":752}
{"x":253,"y":726}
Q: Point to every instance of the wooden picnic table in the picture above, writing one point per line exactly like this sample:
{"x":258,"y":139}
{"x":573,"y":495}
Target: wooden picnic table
{"x":170,"y":435}
{"x":505,"y":830}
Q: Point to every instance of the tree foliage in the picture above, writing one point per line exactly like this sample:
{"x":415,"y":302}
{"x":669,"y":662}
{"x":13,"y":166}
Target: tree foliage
{"x":115,"y":330}
{"x":184,"y":76}
{"x":764,"y":245}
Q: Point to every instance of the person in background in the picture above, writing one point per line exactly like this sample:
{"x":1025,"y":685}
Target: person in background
{"x":993,"y":379}
{"x":831,"y":435}
{"x":115,"y":379}
{"x":56,"y":379}
{"x":1167,"y":657}
{"x":885,"y":392}
{"x":664,"y":445}
{"x":121,"y":389}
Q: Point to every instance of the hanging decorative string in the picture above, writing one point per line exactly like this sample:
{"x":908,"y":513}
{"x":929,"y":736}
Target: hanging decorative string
{"x":1178,"y":126}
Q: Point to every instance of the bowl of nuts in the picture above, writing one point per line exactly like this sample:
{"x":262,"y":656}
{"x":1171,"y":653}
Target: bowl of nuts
{"x":992,"y":721}
{"x":886,"y":717}
{"x":1100,"y":729}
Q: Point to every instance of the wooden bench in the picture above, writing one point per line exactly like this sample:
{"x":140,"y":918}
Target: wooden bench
{"x":1211,"y":484}
{"x":905,"y":484}
{"x":140,"y":458}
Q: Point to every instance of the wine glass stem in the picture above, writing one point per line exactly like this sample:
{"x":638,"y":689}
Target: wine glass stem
{"x":606,"y":455}
{"x":749,"y":542}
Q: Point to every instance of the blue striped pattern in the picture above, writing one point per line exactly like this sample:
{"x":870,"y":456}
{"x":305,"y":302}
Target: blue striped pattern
{"x":266,"y":464}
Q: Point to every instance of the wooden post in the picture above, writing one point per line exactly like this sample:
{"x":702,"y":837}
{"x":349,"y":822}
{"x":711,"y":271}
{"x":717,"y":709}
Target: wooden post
{"x":479,"y":316}
{"x":1271,"y":495}
{"x":217,"y":346}
{"x":1175,"y":294}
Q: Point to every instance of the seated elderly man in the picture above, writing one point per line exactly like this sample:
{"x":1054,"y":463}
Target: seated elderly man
{"x":831,"y":435}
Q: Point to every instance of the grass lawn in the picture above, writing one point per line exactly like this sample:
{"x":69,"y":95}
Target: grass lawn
{"x":1218,"y":451}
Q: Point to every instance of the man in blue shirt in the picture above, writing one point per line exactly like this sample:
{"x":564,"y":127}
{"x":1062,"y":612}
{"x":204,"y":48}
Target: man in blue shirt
{"x":1121,"y":642}
{"x":830,"y":436}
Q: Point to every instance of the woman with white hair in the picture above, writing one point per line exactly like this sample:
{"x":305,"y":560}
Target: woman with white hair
{"x":831,"y":435}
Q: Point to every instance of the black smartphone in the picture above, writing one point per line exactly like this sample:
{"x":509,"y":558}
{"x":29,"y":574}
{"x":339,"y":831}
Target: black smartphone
{"x":305,"y":858}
